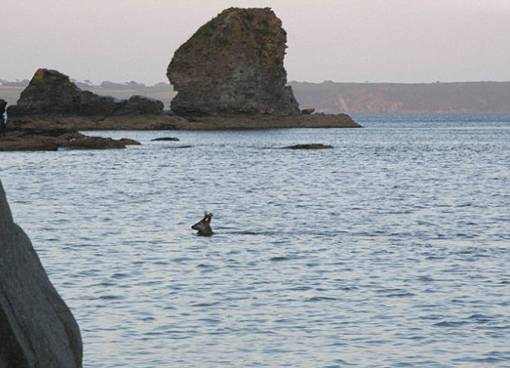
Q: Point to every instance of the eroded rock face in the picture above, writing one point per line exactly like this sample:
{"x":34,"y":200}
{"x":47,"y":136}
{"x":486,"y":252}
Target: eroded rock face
{"x":37,"y":329}
{"x":234,"y":64}
{"x":51,"y":92}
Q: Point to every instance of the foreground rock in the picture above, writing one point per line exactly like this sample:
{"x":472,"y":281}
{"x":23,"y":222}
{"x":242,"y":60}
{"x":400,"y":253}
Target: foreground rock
{"x":53,"y":139}
{"x":52,"y":93}
{"x":37,"y":329}
{"x":233,"y":64}
{"x":309,"y":146}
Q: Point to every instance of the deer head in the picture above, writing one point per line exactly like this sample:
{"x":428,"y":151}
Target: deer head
{"x":204,"y":226}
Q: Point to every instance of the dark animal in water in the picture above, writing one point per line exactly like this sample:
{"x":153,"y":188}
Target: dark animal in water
{"x":204,"y":226}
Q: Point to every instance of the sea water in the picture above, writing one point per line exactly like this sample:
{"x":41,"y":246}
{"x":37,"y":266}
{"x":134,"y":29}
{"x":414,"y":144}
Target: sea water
{"x":390,"y":250}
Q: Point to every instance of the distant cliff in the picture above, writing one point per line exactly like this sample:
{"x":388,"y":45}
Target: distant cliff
{"x":331,"y":97}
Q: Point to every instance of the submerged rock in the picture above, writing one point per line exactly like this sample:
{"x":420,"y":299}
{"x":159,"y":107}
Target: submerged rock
{"x":312,"y":146}
{"x":233,"y":64}
{"x":51,"y":92}
{"x":179,"y":147}
{"x":37,"y":329}
{"x":165,"y":139}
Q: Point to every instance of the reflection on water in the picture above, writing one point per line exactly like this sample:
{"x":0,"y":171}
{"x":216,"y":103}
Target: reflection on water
{"x":392,"y":249}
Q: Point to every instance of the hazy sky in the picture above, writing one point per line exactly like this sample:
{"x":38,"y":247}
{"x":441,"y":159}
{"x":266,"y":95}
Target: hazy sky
{"x":340,"y":40}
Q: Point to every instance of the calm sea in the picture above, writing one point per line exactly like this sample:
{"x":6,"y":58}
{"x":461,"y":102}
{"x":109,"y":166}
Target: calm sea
{"x":390,"y":250}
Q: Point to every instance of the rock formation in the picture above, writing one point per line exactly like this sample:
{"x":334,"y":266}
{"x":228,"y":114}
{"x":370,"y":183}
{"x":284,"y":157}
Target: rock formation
{"x":37,"y":330}
{"x":51,"y":92}
{"x":3,"y":105}
{"x":228,"y":75}
{"x":29,"y":139}
{"x":233,"y":64}
{"x":140,"y":105}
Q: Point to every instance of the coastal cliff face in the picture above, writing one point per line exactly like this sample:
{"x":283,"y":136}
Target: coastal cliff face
{"x":51,"y":92}
{"x":37,"y":329}
{"x":233,"y":64}
{"x":463,"y":97}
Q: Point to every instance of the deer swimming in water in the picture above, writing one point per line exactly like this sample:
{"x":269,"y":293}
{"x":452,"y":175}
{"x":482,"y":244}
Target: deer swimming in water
{"x":204,"y":226}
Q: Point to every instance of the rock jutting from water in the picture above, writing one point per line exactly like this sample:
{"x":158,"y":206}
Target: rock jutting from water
{"x":228,"y":75}
{"x":233,"y":64}
{"x":30,"y":139}
{"x":51,"y":92}
{"x":37,"y":329}
{"x":3,"y":105}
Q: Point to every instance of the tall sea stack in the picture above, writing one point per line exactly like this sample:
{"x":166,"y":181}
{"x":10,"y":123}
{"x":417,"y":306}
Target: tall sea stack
{"x":37,"y":329}
{"x":233,"y":65}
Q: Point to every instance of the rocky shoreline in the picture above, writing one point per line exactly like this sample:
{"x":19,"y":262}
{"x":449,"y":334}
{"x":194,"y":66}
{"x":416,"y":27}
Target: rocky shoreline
{"x":29,"y":139}
{"x":174,"y":122}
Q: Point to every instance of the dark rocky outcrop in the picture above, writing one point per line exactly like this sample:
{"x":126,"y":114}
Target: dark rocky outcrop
{"x":3,"y":105}
{"x":52,"y":139}
{"x":233,"y":64}
{"x":309,"y":146}
{"x":37,"y":329}
{"x":52,"y":93}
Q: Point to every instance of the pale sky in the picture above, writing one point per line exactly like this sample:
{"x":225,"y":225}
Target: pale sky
{"x":340,"y":40}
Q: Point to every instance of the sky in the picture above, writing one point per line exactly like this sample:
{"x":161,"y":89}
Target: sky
{"x":341,"y":40}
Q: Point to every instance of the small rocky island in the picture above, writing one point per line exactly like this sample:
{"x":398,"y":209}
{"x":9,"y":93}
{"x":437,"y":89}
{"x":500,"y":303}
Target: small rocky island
{"x":229,"y":75}
{"x":233,"y":65}
{"x":53,"y":101}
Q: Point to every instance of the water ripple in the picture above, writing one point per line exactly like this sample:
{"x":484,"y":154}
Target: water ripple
{"x":390,"y":250}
